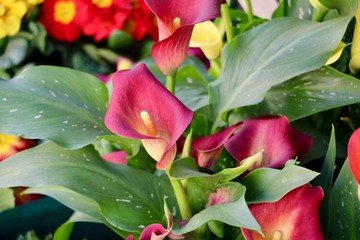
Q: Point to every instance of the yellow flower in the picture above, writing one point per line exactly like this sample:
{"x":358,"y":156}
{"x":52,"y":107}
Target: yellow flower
{"x":11,"y":14}
{"x":336,"y":55}
{"x":207,"y":37}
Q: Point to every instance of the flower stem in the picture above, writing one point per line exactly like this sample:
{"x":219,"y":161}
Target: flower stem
{"x":225,"y":13}
{"x":180,"y":197}
{"x":320,"y":14}
{"x":249,"y":11}
{"x":170,"y":82}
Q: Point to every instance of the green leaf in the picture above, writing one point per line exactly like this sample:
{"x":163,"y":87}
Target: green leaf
{"x":63,"y":105}
{"x":235,"y":213}
{"x":128,"y":199}
{"x":270,"y":54}
{"x":199,"y":184}
{"x":64,"y":231}
{"x":269,"y":185}
{"x":310,"y":93}
{"x":345,"y":206}
{"x":325,"y":180}
{"x":187,"y":168}
{"x":15,"y":53}
{"x":191,"y":87}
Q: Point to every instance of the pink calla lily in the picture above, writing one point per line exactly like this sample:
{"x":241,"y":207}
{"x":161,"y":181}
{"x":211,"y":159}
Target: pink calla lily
{"x":354,"y":156}
{"x":142,"y":108}
{"x":274,"y":136}
{"x":176,"y":20}
{"x":118,"y":157}
{"x":206,"y":150}
{"x":295,"y":216}
{"x":156,"y":231}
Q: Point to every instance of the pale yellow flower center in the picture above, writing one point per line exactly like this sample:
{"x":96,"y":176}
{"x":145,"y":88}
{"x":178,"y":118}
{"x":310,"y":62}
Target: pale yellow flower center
{"x":277,"y":235}
{"x":102,"y":3}
{"x":65,"y":11}
{"x":149,"y":125}
{"x":176,"y":22}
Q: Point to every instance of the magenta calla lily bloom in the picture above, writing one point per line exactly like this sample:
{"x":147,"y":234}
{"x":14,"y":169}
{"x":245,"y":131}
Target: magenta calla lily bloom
{"x":274,"y":136}
{"x":118,"y":157}
{"x":354,"y":154}
{"x":295,"y":216}
{"x":206,"y":150}
{"x":176,"y":20}
{"x":142,"y":108}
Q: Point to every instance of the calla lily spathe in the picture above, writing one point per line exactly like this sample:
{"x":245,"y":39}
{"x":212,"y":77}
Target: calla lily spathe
{"x":274,"y":136}
{"x":176,"y":20}
{"x":206,"y":150}
{"x":295,"y":216}
{"x":354,"y":156}
{"x":207,"y":37}
{"x":142,"y":108}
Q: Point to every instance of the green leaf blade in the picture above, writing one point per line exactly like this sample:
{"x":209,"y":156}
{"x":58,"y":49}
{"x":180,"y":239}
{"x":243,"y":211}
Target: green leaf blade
{"x":268,"y":55}
{"x":63,"y":105}
{"x":312,"y":92}
{"x":345,"y":206}
{"x":111,"y":192}
{"x":269,"y":185}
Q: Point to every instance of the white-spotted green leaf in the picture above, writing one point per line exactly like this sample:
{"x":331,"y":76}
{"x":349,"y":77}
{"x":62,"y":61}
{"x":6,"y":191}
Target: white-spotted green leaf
{"x":125,"y":198}
{"x":234,"y":213}
{"x":325,"y":180}
{"x":191,"y":87}
{"x":60,"y":104}
{"x":345,"y":206}
{"x":312,"y":92}
{"x":270,"y":54}
{"x":269,"y":185}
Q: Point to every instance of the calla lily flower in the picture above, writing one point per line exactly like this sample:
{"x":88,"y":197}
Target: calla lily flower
{"x":336,"y":55}
{"x":142,"y":108}
{"x":274,"y":136}
{"x":354,"y":156}
{"x":207,"y":37}
{"x":206,"y":150}
{"x":176,"y":20}
{"x":294,"y":216}
{"x":156,"y":231}
{"x":354,"y":63}
{"x":118,"y":157}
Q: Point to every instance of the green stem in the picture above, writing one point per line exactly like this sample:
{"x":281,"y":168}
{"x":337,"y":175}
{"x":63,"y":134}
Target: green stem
{"x":180,"y":197}
{"x":225,"y":13}
{"x":320,"y":14}
{"x":249,"y":11}
{"x":170,"y":82}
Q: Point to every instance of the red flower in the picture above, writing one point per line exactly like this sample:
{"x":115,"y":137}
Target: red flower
{"x":104,"y":16}
{"x":206,"y":150}
{"x":176,"y":20}
{"x":61,"y":19}
{"x":274,"y":136}
{"x":141,"y":22}
{"x":142,"y":108}
{"x":295,"y":216}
